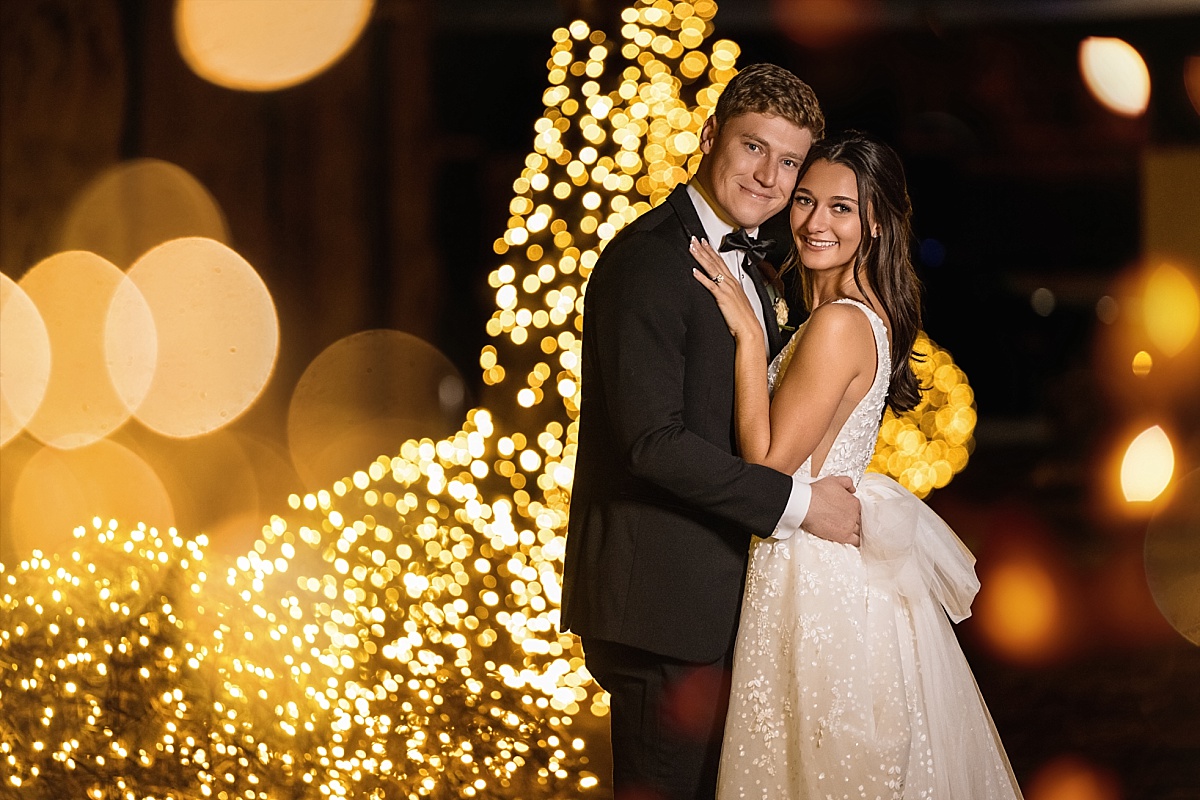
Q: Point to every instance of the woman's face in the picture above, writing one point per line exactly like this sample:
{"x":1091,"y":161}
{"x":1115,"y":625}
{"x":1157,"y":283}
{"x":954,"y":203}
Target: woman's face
{"x":825,"y":217}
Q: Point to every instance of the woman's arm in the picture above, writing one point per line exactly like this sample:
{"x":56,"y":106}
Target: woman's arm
{"x":751,"y":400}
{"x":836,"y":350}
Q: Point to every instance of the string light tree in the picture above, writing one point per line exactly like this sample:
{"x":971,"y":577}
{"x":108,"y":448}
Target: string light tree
{"x":396,"y":635}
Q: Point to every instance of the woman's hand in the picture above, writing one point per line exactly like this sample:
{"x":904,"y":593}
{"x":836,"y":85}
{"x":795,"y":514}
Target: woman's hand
{"x":715,"y":276}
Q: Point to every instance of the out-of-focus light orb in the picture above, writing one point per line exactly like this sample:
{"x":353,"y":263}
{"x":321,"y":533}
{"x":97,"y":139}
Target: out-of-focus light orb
{"x":1191,"y":79}
{"x":823,"y":23}
{"x":1043,"y":302}
{"x":218,"y":335}
{"x":1107,"y":310}
{"x":1021,"y":607}
{"x":925,"y":447}
{"x":263,"y":45}
{"x":74,"y":291}
{"x":1115,"y":74}
{"x":59,"y":490}
{"x":137,"y":205}
{"x":1142,"y":363}
{"x":1171,"y":309}
{"x":1072,"y":778}
{"x":1147,"y":466}
{"x":1172,"y":554}
{"x":366,"y":395}
{"x":24,"y":359}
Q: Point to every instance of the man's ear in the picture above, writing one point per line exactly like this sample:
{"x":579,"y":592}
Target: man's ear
{"x":708,"y":135}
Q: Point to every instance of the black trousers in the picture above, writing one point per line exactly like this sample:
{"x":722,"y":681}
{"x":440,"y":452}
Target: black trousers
{"x":667,"y":720}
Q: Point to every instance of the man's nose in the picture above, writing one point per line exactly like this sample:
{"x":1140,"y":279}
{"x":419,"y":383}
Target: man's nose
{"x":767,"y":173}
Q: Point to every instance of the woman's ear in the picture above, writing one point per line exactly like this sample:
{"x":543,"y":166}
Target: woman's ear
{"x":872,"y":223}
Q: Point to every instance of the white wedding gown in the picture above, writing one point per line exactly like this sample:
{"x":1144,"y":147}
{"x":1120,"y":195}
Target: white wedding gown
{"x":848,"y":681}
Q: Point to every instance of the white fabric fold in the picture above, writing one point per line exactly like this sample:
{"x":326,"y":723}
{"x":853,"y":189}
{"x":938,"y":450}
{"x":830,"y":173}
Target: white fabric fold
{"x":906,"y":543}
{"x":910,"y":553}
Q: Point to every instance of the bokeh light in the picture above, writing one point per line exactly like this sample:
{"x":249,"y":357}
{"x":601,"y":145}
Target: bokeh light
{"x":218,"y":335}
{"x":1172,"y":554}
{"x":59,"y":490}
{"x":925,"y":447}
{"x":1115,"y":74}
{"x":1171,"y":309}
{"x":74,"y":293}
{"x":263,"y":45}
{"x":367,"y":394}
{"x":1070,"y":777}
{"x":135,"y":206}
{"x":1147,"y":466}
{"x":24,"y":359}
{"x":394,"y":629}
{"x":1025,"y":608}
{"x":824,"y":23}
{"x":1142,"y":363}
{"x":1191,"y":80}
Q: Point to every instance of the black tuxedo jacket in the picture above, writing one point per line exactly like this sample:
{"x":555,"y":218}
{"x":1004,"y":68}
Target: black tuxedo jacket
{"x":662,"y":512}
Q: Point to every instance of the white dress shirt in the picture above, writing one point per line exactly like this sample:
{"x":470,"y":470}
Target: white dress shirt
{"x":715,"y":229}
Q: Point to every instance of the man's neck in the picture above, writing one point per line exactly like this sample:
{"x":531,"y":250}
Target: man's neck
{"x":697,"y":183}
{"x":701,"y":184}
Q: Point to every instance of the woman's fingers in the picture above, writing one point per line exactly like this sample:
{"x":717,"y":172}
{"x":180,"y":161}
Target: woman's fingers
{"x":712,"y":263}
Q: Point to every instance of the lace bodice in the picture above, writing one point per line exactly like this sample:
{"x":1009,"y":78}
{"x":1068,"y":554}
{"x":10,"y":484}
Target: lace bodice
{"x":855,"y":443}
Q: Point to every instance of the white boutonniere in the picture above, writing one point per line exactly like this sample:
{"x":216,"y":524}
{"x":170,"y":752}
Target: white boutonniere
{"x":781,"y":313}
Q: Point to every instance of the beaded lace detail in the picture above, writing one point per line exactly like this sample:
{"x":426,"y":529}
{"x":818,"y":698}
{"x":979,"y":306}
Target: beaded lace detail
{"x":819,"y":707}
{"x":848,"y":683}
{"x":855,"y":443}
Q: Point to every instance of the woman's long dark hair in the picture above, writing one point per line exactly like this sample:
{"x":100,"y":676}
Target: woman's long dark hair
{"x":883,"y":202}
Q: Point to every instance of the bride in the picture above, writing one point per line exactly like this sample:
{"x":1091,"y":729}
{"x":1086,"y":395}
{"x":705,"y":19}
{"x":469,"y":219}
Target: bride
{"x":848,"y":681}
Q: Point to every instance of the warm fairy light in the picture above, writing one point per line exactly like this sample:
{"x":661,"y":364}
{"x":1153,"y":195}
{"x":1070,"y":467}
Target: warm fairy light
{"x":1148,"y":465}
{"x":926,"y":447}
{"x":1115,"y":74}
{"x":24,"y":359}
{"x":395,"y":632}
{"x":1171,"y":309}
{"x":263,"y":45}
{"x":137,"y":205}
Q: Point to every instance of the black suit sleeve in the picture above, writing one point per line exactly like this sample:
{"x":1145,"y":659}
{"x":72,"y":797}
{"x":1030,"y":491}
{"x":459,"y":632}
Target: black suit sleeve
{"x":657,"y":335}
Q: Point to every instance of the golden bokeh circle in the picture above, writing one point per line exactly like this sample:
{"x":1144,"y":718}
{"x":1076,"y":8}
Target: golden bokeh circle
{"x":218,"y":335}
{"x":366,"y":395}
{"x":74,"y":291}
{"x":1172,"y":553}
{"x":136,"y":205}
{"x":263,"y":45}
{"x":24,"y":359}
{"x":59,"y":490}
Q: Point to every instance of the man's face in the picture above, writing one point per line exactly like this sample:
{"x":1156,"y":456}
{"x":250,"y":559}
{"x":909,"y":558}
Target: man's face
{"x":751,"y":164}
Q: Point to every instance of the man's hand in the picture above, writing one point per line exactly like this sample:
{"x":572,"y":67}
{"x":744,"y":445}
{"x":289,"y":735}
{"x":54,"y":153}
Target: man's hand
{"x":834,"y":513}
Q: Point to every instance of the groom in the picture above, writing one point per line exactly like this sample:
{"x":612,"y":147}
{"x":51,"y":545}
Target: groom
{"x":663,"y":512}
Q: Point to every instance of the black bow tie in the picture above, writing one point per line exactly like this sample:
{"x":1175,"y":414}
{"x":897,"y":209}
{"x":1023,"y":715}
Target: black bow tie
{"x":755,"y":249}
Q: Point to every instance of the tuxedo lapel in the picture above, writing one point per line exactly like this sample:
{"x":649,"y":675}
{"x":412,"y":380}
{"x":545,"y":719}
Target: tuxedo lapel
{"x":682,"y":203}
{"x":774,"y":337}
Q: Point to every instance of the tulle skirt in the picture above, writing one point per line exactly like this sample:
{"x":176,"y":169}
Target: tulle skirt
{"x":848,"y":681}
